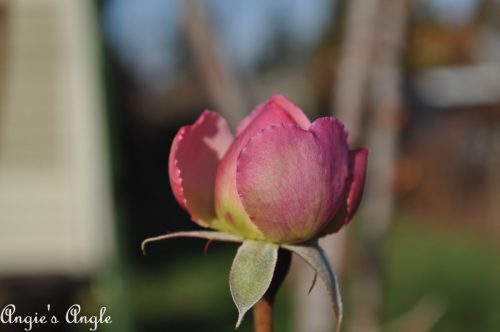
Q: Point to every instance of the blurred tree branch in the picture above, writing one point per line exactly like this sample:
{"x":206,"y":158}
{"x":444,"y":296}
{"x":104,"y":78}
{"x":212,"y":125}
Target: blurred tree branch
{"x":219,"y":80}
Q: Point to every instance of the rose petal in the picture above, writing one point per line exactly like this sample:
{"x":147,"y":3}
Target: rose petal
{"x":357,"y":165}
{"x":278,"y":101}
{"x":228,"y":206}
{"x":355,"y":186}
{"x":194,"y":157}
{"x":291,"y":181}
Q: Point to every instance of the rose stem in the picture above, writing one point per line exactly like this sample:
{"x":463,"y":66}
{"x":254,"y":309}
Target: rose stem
{"x":263,"y":310}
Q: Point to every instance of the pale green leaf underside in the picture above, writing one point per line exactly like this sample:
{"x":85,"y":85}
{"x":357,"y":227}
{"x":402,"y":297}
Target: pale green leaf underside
{"x":314,"y":255}
{"x":209,"y":235}
{"x":251,"y":274}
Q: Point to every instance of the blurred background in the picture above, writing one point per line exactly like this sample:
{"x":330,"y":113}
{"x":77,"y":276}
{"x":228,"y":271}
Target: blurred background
{"x":93,"y":92}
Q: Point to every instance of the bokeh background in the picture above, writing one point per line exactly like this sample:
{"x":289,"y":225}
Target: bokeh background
{"x":93,"y":92}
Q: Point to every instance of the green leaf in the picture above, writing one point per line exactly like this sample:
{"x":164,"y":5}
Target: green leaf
{"x":314,"y":255}
{"x":251,"y":274}
{"x":209,"y":235}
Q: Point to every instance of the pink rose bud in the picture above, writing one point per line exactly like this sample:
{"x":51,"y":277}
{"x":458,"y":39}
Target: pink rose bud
{"x":282,"y":178}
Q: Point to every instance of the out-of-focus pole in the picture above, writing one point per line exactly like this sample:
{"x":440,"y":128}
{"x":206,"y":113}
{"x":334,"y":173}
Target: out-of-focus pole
{"x":385,"y":104}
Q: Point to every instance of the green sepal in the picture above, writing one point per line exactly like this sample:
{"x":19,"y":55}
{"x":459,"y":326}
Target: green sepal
{"x":209,"y":235}
{"x":251,"y":274}
{"x":314,"y":255}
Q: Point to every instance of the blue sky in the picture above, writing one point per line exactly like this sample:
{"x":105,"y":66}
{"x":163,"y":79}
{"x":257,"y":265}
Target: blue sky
{"x":452,"y":12}
{"x":143,"y":32}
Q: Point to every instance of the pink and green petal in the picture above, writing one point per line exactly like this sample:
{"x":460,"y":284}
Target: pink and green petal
{"x":291,"y":181}
{"x":196,"y":151}
{"x":276,"y":101}
{"x":228,"y":207}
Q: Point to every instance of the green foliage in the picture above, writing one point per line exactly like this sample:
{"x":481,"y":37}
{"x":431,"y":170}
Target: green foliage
{"x":458,"y":269}
{"x":193,"y":295}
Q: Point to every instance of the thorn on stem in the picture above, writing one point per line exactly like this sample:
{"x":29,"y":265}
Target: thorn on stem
{"x":205,"y":249}
{"x":313,"y":283}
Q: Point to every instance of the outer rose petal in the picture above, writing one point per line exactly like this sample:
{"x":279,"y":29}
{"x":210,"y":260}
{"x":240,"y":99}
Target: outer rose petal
{"x":357,"y":174}
{"x":194,"y":156}
{"x":227,"y":202}
{"x":292,"y":181}
{"x":357,"y":164}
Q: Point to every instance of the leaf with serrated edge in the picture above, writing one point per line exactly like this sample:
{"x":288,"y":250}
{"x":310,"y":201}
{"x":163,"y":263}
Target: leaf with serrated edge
{"x":251,"y":274}
{"x":209,"y":235}
{"x":314,"y":255}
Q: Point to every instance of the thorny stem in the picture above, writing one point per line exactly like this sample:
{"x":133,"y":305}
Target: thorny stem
{"x":263,"y":310}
